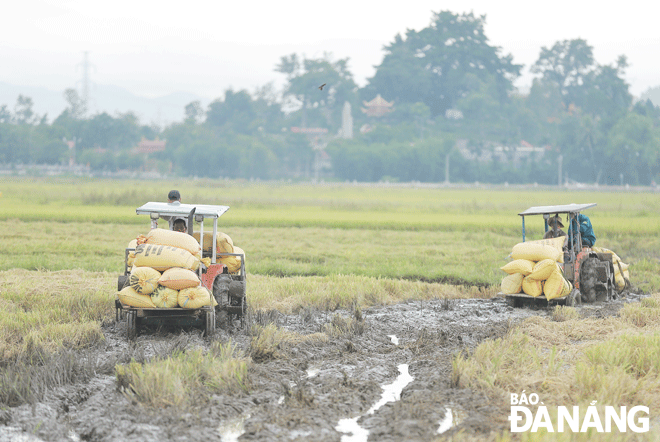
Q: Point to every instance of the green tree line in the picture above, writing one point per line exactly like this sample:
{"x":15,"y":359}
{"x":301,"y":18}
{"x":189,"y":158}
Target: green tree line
{"x":456,"y":116}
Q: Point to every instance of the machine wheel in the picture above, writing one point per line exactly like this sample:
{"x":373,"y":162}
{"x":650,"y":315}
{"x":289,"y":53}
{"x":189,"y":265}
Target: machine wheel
{"x":131,"y":325}
{"x":209,"y":323}
{"x":574,"y":298}
{"x":237,"y":289}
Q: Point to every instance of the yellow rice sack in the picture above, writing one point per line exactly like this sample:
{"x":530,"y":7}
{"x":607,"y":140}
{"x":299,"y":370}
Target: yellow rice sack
{"x":164,"y":237}
{"x":523,"y":266}
{"x":620,"y":279}
{"x":556,"y":286}
{"x":164,"y":297}
{"x":615,"y":257}
{"x":195,"y":297}
{"x":532,"y":287}
{"x":224,"y":244}
{"x":233,"y":263}
{"x":144,"y":280}
{"x":557,"y":243}
{"x":543,"y":269}
{"x":534,"y":251}
{"x":618,"y":270}
{"x":131,"y":255}
{"x":129,"y":296}
{"x":162,"y":257}
{"x":512,"y":284}
{"x":178,"y":279}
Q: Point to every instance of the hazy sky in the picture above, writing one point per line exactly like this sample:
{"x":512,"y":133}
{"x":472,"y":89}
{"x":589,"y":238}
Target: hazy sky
{"x":204,"y":47}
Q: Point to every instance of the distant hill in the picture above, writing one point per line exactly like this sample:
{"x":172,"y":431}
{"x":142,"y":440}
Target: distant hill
{"x":652,"y":93}
{"x":105,"y":98}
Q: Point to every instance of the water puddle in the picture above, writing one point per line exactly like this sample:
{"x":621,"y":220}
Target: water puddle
{"x":451,"y":419}
{"x":232,"y":429}
{"x":353,"y":432}
{"x":394,"y":339}
{"x":392,"y":392}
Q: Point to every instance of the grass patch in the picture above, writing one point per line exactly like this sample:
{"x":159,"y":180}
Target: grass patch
{"x":28,"y":378}
{"x":563,"y":313}
{"x":282,"y":252}
{"x":54,"y":246}
{"x":186,"y":378}
{"x":290,"y":295}
{"x":341,"y":326}
{"x":645,"y":314}
{"x":615,"y":361}
{"x":270,"y":342}
{"x":455,"y":236}
{"x":52,"y":310}
{"x":329,"y":205}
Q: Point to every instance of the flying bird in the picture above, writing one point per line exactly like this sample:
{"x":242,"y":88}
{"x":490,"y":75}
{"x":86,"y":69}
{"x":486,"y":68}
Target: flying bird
{"x":321,"y":87}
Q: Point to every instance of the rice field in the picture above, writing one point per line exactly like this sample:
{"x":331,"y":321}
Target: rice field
{"x":458,"y":236}
{"x":330,"y":246}
{"x":299,"y":238}
{"x":568,"y":360}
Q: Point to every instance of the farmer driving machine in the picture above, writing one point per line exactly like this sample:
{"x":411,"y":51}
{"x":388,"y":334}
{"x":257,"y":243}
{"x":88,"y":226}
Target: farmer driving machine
{"x":181,"y":279}
{"x":588,"y":272}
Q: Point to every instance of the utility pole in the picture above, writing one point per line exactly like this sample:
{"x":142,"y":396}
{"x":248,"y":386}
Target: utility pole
{"x":560,"y":159}
{"x":84,"y":97}
{"x":85,"y":80}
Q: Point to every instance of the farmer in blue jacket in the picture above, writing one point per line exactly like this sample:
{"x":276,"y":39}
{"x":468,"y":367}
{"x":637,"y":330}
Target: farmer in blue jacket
{"x":586,"y":230}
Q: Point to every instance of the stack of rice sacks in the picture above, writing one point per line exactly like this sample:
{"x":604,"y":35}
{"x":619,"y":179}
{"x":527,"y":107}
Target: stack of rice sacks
{"x":163,"y":272}
{"x":224,"y":244}
{"x":535,"y":269}
{"x":621,"y":274}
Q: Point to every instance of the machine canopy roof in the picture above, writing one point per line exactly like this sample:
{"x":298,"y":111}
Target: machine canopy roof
{"x":566,"y":208}
{"x":182,"y":210}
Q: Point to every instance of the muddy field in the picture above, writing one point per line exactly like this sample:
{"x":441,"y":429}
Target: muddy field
{"x":387,"y":380}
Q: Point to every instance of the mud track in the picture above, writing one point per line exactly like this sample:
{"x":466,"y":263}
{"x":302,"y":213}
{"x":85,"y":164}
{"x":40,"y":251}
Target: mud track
{"x":304,"y":394}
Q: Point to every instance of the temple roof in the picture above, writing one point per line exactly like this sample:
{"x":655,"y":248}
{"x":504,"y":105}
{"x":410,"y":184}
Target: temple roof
{"x":377,"y":107}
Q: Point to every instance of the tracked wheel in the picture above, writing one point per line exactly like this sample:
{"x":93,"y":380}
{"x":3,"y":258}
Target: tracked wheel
{"x":131,"y":325}
{"x":221,"y":290}
{"x":237,"y":298}
{"x":209,"y":323}
{"x":221,"y":294}
{"x":119,"y":311}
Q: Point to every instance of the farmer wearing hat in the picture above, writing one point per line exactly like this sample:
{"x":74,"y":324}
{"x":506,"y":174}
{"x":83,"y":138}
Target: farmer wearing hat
{"x":555,"y":224}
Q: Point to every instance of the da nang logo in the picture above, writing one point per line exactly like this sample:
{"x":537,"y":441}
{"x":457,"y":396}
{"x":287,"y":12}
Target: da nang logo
{"x":575,"y":419}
